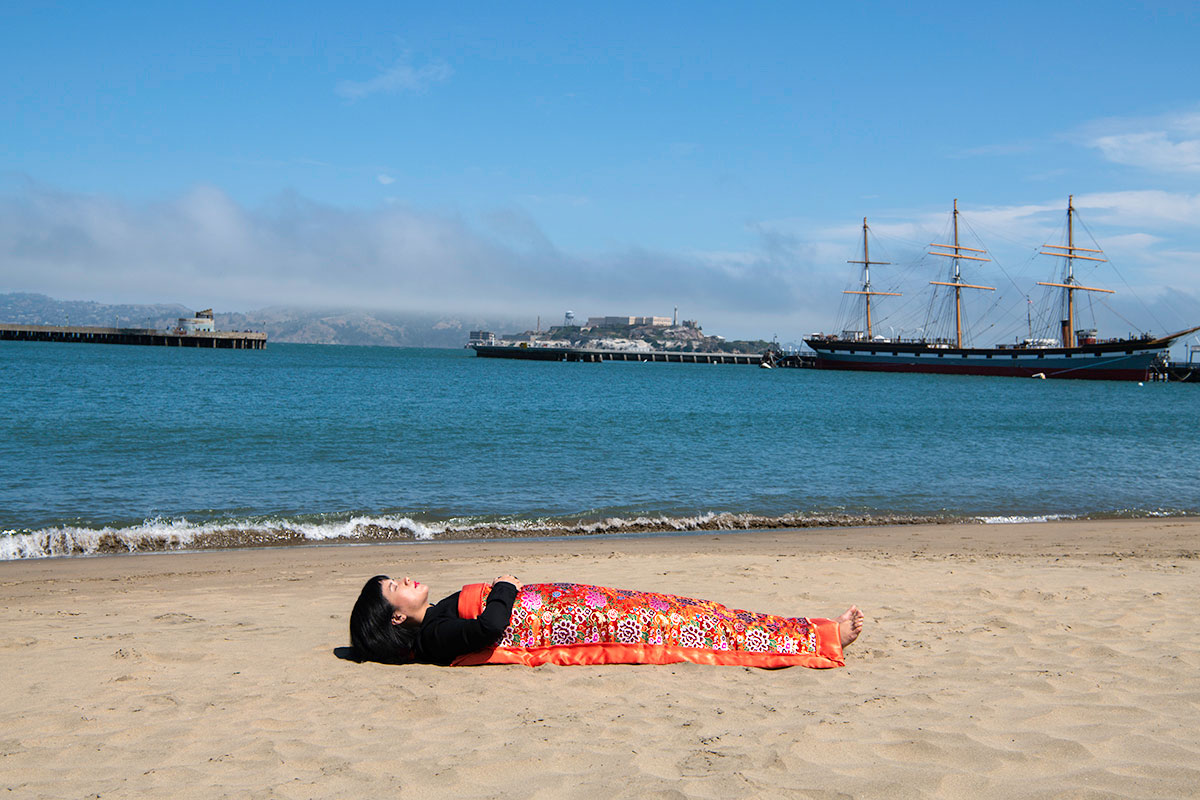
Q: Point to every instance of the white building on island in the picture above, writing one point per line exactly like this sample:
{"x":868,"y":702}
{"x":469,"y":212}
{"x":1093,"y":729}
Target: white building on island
{"x":620,"y":322}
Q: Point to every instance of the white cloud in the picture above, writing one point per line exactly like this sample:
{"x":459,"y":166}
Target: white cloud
{"x":202,"y":248}
{"x":386,"y":180}
{"x":1169,"y":143}
{"x":1144,"y":207}
{"x":1154,"y":150}
{"x":1131,"y":242}
{"x":400,"y":77}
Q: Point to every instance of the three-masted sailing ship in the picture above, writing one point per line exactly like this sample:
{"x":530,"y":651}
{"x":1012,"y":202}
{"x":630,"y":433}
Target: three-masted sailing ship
{"x":1074,"y":354}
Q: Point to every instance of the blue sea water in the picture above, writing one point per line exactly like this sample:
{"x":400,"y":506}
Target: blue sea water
{"x":106,"y":447}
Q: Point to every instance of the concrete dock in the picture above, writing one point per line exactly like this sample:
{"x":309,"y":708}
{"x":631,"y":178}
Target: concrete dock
{"x":1176,"y":372}
{"x":229,"y":340}
{"x":580,"y":354}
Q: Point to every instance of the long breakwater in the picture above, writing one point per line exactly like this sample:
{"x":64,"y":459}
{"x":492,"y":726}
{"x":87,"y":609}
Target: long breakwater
{"x":89,"y":334}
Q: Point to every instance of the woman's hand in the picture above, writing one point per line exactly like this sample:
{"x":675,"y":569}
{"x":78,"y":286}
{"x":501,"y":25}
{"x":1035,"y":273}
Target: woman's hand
{"x":510,"y":579}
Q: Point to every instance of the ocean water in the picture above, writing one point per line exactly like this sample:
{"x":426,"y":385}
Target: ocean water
{"x":108,"y":449}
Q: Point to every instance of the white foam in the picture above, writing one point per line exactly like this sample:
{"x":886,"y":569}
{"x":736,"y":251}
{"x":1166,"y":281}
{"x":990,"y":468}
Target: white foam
{"x":1015,"y":520}
{"x":160,"y":534}
{"x":353,"y":527}
{"x":179,"y":534}
{"x":67,"y":541}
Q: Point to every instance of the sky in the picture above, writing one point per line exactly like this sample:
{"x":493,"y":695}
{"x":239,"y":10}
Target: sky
{"x":521,"y":159}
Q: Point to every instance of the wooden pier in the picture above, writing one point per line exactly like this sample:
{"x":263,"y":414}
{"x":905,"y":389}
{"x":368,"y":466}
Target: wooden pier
{"x":229,"y":340}
{"x":588,"y":355}
{"x":797,"y":361}
{"x":1176,"y":372}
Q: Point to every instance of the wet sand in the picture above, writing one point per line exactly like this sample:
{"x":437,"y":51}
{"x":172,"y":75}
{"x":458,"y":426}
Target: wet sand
{"x":1039,"y":660}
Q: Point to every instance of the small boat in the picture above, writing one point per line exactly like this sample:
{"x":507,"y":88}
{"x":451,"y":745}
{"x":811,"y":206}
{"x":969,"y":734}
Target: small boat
{"x":1064,"y":353}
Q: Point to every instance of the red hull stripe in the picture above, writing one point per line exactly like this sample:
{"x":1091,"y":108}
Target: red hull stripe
{"x":1094,"y":373}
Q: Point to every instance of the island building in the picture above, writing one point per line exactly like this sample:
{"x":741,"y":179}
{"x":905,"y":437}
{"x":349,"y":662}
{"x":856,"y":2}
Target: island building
{"x":619,"y":322}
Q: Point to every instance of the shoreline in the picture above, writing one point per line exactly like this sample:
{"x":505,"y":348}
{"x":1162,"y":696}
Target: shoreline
{"x":1141,"y":537}
{"x":179,"y":536}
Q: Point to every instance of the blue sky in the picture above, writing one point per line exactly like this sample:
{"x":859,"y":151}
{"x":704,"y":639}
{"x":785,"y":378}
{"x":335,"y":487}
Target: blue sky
{"x":521,"y":159}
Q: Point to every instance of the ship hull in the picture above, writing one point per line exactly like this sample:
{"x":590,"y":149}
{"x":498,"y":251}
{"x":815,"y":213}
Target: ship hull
{"x":523,"y":353}
{"x":1114,"y":361}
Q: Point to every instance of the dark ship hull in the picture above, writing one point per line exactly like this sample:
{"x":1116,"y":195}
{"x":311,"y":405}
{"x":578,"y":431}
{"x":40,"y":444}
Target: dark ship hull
{"x":1073,"y":353}
{"x":1122,"y":360}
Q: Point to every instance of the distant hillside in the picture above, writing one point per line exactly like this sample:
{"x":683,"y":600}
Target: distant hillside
{"x":38,"y":309}
{"x":308,"y":326}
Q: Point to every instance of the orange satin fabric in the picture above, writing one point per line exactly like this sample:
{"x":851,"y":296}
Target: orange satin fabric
{"x":819,"y":639}
{"x":471,"y":600}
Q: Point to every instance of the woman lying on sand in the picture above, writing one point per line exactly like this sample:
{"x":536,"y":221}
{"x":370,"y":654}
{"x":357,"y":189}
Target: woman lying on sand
{"x":506,"y":622}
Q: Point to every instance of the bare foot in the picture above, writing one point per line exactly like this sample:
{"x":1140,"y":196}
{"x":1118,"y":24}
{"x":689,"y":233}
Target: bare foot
{"x":850,"y":625}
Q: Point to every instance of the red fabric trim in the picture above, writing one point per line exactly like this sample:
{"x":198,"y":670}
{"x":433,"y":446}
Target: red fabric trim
{"x":829,"y":654}
{"x":829,"y":640}
{"x":470,"y":600}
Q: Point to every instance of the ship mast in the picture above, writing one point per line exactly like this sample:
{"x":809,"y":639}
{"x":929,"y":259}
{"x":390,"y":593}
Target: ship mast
{"x":958,"y":284}
{"x":1069,"y":286}
{"x":866,"y":289}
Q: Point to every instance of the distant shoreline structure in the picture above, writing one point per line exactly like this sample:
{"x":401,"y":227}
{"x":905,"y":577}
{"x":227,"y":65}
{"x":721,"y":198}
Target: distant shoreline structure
{"x":621,"y":338}
{"x":194,"y":331}
{"x":537,"y":352}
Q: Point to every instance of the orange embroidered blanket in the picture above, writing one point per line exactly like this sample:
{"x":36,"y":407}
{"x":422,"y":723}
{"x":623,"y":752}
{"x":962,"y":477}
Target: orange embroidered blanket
{"x":568,"y":623}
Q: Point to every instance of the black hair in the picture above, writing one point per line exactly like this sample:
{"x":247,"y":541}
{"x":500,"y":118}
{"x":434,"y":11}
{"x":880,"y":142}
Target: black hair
{"x":372,"y":633}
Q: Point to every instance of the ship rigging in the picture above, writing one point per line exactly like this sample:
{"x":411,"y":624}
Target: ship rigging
{"x":1073,"y":354}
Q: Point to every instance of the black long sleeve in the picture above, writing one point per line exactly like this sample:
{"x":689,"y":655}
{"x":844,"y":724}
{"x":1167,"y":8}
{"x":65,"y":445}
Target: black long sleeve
{"x":444,"y":636}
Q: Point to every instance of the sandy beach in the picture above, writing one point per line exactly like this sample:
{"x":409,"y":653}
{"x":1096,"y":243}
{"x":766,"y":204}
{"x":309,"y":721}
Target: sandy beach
{"x":999,"y":661}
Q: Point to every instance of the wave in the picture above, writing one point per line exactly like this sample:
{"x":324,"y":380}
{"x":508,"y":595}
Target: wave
{"x":1018,"y":519}
{"x":1122,"y":513}
{"x":160,"y":535}
{"x":179,"y":534}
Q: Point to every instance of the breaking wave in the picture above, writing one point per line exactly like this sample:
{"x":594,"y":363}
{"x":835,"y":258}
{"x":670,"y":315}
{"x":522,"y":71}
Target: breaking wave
{"x":180,"y":534}
{"x":160,"y":535}
{"x":1123,"y":513}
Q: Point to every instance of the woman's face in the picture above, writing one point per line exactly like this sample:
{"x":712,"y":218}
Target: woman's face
{"x":406,"y":596}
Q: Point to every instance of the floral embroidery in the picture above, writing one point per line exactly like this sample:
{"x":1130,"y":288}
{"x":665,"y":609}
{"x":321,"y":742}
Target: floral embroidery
{"x":757,"y":640}
{"x":564,"y":614}
{"x":690,"y":636}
